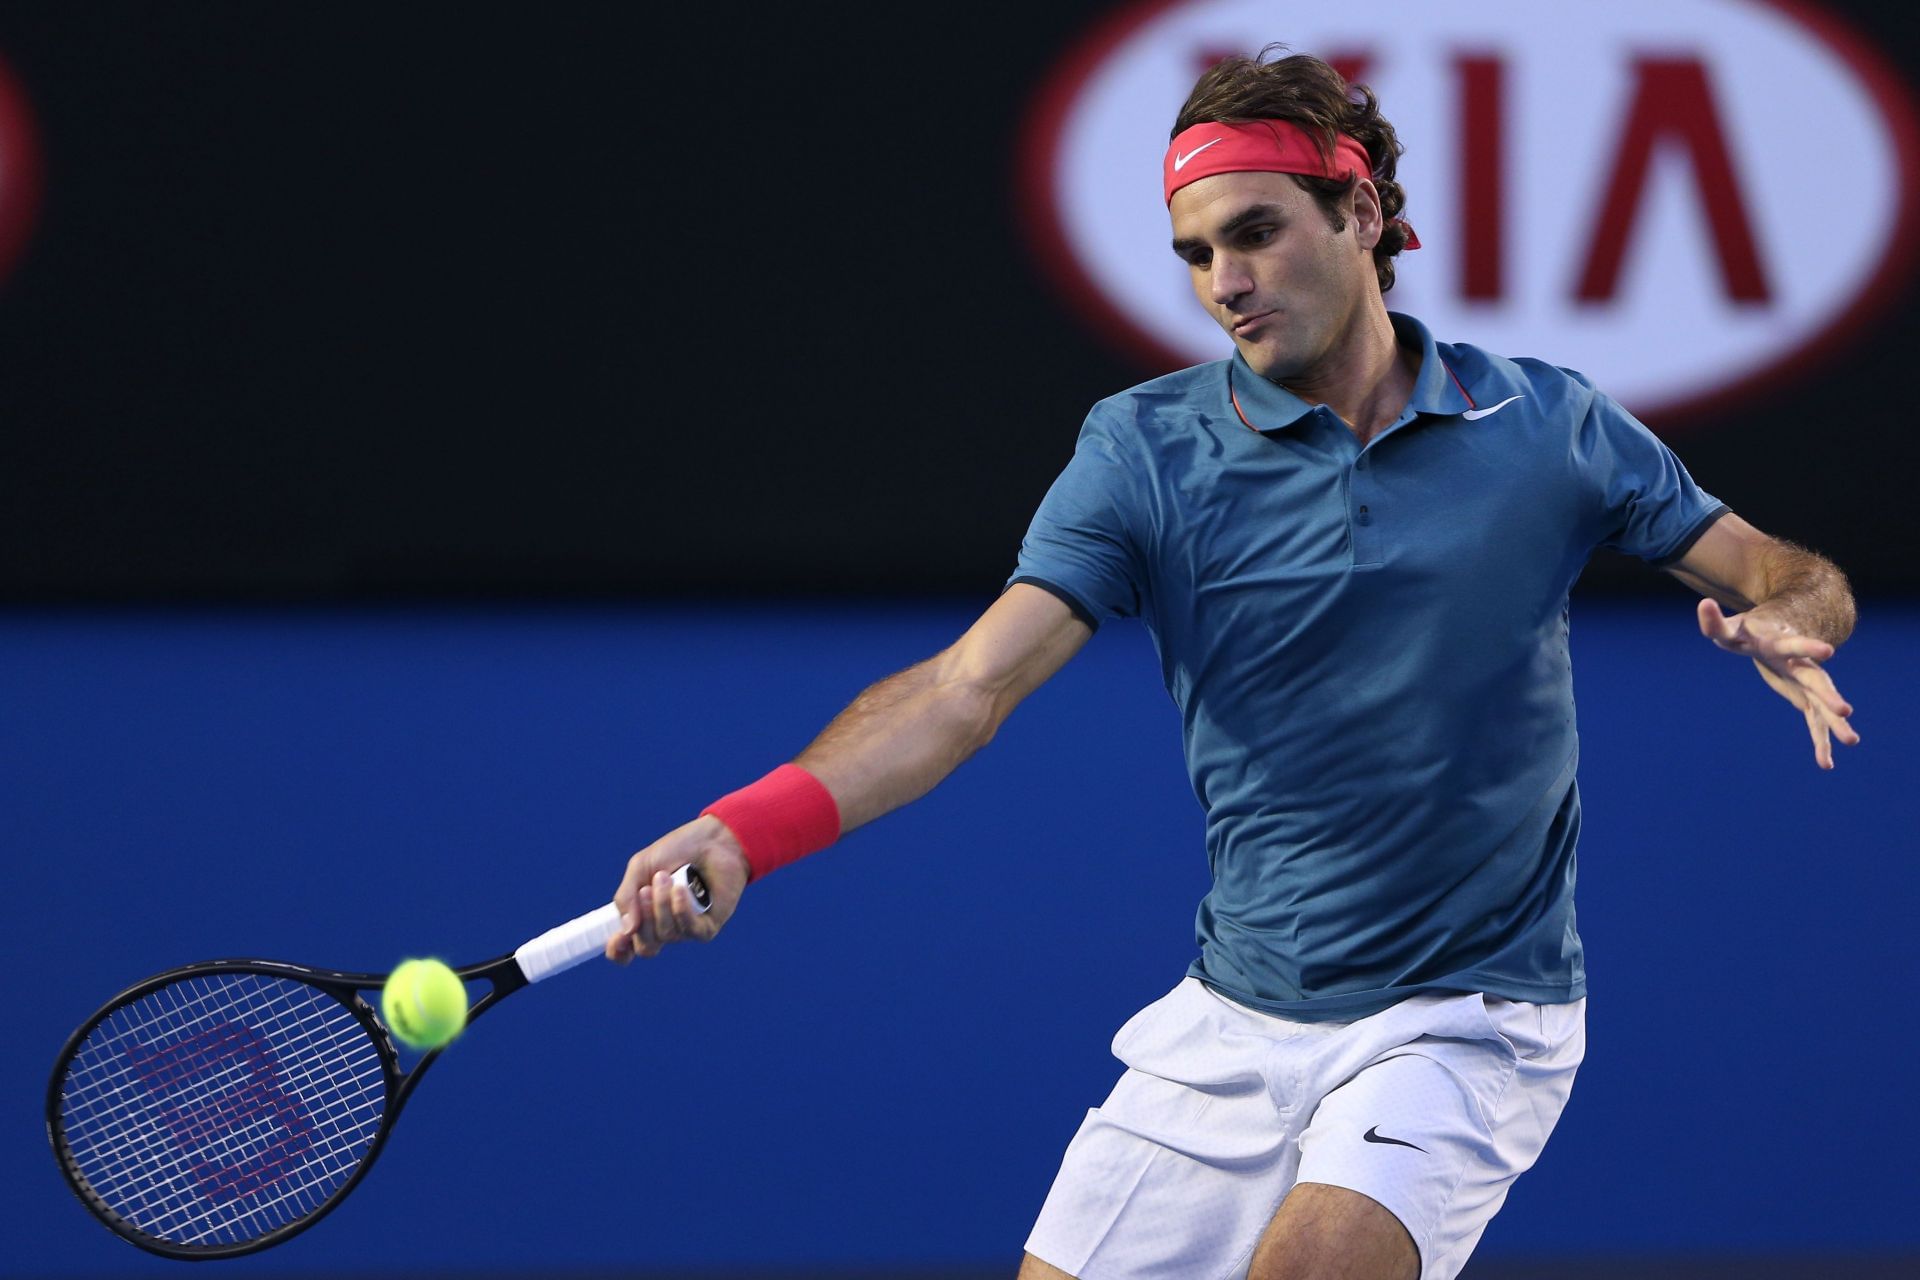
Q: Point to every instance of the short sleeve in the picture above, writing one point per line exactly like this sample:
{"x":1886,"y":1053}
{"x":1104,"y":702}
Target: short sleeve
{"x":1082,"y":545}
{"x":1651,"y":508}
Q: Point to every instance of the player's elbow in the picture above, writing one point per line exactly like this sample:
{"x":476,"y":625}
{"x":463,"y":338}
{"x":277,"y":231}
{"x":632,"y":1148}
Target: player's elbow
{"x":978,"y":712}
{"x":971,"y":706}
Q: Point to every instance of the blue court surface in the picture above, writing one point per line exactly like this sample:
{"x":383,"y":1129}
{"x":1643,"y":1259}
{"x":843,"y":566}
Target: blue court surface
{"x":875,"y":1069}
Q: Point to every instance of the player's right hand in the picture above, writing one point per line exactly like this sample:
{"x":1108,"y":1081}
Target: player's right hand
{"x":654,"y":911}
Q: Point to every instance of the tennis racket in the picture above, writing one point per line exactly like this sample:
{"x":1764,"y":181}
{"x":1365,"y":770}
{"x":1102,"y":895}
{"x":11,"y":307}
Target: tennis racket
{"x":220,"y":1108}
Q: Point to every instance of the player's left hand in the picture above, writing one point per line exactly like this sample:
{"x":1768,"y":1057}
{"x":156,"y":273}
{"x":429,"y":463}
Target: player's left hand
{"x":1790,"y":663}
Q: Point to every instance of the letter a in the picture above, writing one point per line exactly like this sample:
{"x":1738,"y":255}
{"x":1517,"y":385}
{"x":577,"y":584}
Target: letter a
{"x":1672,"y":101}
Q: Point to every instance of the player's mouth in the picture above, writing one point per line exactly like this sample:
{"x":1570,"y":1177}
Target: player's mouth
{"x":1250,"y":325}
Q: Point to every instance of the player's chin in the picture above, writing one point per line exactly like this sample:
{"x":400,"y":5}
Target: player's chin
{"x":1270,"y":359}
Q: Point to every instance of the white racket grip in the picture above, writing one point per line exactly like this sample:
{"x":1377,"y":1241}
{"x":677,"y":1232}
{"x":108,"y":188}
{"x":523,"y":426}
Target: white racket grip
{"x":584,"y":937}
{"x":564,"y":946}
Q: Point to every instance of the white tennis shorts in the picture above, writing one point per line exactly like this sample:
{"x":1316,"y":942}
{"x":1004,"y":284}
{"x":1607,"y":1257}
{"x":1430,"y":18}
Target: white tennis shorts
{"x":1432,"y":1108}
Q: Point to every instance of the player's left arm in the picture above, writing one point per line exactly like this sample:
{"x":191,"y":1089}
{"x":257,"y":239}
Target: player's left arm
{"x":1791,"y":610}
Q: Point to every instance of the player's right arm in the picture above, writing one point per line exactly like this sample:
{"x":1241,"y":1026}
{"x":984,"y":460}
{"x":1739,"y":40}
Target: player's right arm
{"x":892,"y":745}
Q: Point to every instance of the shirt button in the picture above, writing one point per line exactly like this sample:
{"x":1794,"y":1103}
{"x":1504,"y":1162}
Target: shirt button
{"x":1363,"y":517}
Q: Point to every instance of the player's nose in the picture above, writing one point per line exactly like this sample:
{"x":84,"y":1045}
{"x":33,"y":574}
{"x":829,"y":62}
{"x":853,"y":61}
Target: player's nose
{"x":1228,"y":279}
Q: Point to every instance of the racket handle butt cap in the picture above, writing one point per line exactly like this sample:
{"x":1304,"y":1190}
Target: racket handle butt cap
{"x":696,"y":885}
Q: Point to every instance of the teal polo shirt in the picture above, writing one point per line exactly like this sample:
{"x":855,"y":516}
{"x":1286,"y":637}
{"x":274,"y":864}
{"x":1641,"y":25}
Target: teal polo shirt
{"x":1368,"y":649}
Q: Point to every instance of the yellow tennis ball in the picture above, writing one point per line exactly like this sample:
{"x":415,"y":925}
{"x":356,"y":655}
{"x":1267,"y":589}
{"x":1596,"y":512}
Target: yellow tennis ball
{"x":425,"y":1003}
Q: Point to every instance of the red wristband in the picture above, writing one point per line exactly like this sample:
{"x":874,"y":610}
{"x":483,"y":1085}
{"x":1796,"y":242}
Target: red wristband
{"x":780,"y":819}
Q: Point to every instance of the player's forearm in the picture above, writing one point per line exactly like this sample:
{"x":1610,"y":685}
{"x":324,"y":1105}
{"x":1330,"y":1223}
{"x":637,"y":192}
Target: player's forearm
{"x":1806,"y":591}
{"x":899,"y":739}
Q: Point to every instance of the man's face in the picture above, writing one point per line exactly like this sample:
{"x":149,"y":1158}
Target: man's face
{"x":1271,"y":270}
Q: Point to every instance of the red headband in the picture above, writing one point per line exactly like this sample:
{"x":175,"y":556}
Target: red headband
{"x":1268,"y":146}
{"x":1263,"y":146}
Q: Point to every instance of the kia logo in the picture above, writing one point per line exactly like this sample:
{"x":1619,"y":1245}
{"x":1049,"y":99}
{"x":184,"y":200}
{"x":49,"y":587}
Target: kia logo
{"x":1685,"y":199}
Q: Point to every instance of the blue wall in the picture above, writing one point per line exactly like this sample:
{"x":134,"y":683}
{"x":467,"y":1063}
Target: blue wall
{"x":887,"y":1051}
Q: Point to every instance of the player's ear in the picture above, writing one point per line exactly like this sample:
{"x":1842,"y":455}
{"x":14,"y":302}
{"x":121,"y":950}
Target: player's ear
{"x":1363,"y":207}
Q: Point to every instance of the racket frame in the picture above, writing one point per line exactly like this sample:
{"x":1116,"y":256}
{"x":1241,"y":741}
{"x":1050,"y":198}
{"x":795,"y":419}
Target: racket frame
{"x":503,"y":973}
{"x":557,"y":950}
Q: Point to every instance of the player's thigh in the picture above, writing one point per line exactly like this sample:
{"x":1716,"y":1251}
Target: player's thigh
{"x":1437,"y":1130}
{"x":1032,"y":1268}
{"x":1331,"y":1233}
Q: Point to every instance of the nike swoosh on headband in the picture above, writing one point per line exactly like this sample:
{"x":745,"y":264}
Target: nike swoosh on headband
{"x":1474,"y":415}
{"x":1180,"y":162}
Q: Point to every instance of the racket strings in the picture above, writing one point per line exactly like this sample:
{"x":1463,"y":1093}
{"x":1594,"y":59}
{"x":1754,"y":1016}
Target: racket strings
{"x":222,"y":1107}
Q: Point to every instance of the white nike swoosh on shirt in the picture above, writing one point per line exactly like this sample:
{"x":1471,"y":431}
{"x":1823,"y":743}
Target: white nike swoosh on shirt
{"x":1473,"y":415}
{"x":1180,"y":162}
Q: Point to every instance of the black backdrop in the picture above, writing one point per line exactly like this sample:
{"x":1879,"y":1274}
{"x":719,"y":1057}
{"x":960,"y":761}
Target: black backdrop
{"x":373,"y":301}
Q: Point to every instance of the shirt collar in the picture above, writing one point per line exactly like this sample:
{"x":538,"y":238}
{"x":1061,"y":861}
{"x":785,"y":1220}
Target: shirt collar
{"x":1268,"y":406}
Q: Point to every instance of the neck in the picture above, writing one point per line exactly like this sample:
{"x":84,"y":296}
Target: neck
{"x":1366,"y":377}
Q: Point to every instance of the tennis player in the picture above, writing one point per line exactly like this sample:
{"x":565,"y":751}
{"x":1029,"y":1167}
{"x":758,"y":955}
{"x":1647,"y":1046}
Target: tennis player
{"x":1353,"y":546}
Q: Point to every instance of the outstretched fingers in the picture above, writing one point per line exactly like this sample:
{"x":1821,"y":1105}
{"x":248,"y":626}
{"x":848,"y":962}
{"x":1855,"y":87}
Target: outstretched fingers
{"x":1810,"y":689}
{"x":1822,"y":739}
{"x":1813,"y":678}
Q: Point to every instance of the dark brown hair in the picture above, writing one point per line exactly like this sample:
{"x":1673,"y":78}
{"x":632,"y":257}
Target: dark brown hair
{"x":1307,"y":92}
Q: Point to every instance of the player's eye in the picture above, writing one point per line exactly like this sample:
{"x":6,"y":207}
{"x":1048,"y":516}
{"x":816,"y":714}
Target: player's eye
{"x":1199,"y":258}
{"x":1258,"y":235}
